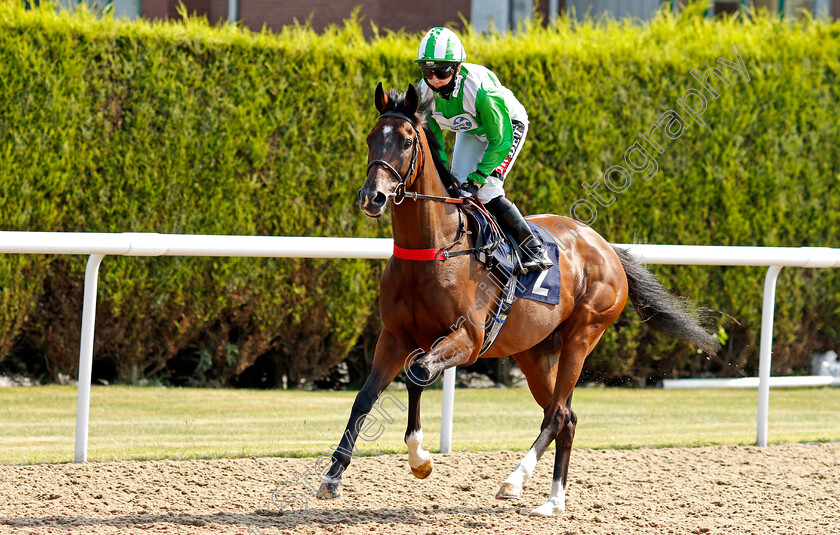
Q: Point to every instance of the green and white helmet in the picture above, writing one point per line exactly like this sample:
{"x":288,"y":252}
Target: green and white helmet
{"x":441,"y":45}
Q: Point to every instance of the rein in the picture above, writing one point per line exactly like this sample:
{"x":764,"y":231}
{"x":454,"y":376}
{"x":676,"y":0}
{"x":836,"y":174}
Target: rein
{"x":400,"y":194}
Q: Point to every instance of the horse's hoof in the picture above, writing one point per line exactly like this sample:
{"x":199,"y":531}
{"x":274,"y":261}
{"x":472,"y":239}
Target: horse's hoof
{"x":509,"y":491}
{"x":548,"y":509}
{"x":329,"y":491}
{"x":423,"y":471}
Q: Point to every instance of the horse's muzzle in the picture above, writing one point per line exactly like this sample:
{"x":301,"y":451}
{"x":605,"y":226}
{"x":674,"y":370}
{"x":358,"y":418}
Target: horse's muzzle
{"x":372,"y":202}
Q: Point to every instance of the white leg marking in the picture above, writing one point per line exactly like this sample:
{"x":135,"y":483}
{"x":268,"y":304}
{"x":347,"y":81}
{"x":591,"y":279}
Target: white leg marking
{"x":524,"y":470}
{"x":417,"y":456}
{"x":556,"y":501}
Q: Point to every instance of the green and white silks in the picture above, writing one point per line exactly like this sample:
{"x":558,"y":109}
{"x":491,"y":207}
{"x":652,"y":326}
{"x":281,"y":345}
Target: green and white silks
{"x":489,"y":123}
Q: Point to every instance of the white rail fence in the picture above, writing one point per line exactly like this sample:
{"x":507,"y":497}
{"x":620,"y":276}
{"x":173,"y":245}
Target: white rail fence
{"x":98,"y":245}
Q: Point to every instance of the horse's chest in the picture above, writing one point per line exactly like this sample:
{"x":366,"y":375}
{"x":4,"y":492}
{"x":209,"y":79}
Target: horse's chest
{"x":420,"y":309}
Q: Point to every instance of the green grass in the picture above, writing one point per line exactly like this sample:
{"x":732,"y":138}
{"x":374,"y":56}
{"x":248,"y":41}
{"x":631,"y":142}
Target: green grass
{"x":37,"y":424}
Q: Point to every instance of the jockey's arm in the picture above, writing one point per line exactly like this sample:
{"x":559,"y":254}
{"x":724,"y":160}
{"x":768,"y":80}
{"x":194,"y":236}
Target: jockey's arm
{"x":435,"y":128}
{"x":497,"y":129}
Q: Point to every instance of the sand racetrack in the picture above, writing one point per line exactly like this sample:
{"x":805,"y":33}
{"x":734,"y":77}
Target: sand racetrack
{"x":781,"y":489}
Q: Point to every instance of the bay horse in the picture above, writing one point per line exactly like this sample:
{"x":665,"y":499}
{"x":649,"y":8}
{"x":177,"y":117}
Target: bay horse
{"x":424,"y":303}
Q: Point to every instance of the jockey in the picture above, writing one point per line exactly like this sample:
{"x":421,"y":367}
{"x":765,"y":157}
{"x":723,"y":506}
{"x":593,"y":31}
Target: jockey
{"x":490,"y":126}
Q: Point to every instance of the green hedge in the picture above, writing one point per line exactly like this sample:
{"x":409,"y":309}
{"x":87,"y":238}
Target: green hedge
{"x":111,"y":127}
{"x":108,"y":126}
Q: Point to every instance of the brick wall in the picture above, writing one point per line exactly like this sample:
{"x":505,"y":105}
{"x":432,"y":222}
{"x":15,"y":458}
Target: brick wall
{"x":218,"y":10}
{"x":201,"y":7}
{"x":418,"y":16}
{"x":154,"y":9}
{"x":411,"y":15}
{"x":163,"y":9}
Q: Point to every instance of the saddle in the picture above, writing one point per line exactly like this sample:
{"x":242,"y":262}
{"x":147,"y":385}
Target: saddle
{"x":500,"y":252}
{"x":493,"y":247}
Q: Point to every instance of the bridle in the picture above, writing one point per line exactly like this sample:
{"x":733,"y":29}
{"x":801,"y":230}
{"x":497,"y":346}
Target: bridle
{"x":400,"y":194}
{"x":404,"y":182}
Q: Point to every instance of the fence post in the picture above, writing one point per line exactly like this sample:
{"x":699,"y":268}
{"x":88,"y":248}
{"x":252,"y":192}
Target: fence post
{"x":447,"y":409}
{"x":766,"y":351}
{"x":86,"y":356}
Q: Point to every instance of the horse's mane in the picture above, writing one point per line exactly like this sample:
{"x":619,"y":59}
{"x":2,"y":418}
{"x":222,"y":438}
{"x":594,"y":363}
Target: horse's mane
{"x":396,"y":103}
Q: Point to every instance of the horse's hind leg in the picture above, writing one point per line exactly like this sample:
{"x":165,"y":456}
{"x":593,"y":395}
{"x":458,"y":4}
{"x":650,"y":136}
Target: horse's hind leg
{"x":539,"y":364}
{"x":579,"y":334}
{"x":557,"y":499}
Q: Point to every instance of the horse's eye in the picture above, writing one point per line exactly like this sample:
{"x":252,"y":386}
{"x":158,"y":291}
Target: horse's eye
{"x":406,"y":144}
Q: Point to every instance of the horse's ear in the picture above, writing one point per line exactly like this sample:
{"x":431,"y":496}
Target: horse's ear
{"x":412,"y":99}
{"x":380,"y":99}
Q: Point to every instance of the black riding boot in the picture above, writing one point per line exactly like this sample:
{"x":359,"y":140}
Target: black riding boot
{"x":534,"y":256}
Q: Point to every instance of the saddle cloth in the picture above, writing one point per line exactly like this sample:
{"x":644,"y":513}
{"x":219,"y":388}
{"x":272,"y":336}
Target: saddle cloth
{"x":543,"y":286}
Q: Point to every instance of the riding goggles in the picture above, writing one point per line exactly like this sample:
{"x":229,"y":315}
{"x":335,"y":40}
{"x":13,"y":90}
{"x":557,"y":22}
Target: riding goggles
{"x":441,"y":71}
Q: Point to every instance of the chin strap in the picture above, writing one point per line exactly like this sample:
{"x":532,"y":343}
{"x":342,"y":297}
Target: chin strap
{"x":445,"y":91}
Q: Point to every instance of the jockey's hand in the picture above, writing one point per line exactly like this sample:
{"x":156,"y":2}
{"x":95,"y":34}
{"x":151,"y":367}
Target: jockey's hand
{"x":469,"y":189}
{"x":478,"y":178}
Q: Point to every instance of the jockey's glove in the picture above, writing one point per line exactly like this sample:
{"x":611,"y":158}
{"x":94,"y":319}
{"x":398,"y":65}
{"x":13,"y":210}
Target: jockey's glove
{"x":478,"y":177}
{"x":469,"y":189}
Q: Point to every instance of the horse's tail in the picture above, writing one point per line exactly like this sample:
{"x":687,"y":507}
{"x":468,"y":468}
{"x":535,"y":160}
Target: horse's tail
{"x":662,"y":310}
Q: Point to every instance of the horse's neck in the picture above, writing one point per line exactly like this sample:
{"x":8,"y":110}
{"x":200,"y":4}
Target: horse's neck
{"x":425,"y":224}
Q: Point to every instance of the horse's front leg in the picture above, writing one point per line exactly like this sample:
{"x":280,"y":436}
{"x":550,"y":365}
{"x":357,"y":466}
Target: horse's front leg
{"x":421,"y":370}
{"x":419,"y":459}
{"x":387,"y":361}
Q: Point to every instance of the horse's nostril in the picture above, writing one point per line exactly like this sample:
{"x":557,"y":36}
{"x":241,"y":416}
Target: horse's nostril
{"x":380,"y":198}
